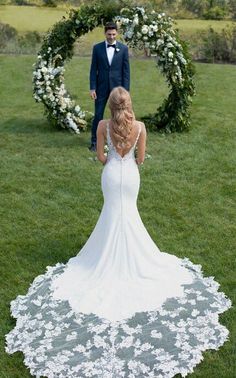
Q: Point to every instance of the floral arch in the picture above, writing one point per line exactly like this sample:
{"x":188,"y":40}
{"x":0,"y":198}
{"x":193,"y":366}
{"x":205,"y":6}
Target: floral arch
{"x":141,"y":29}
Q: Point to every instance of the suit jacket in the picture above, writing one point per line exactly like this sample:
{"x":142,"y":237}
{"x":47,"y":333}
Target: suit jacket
{"x":105,"y":77}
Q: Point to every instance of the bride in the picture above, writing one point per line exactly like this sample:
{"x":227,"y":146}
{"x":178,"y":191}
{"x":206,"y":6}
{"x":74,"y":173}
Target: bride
{"x":121,"y":307}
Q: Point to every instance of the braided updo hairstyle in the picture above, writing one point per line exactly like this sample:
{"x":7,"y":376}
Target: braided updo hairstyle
{"x":122,"y":115}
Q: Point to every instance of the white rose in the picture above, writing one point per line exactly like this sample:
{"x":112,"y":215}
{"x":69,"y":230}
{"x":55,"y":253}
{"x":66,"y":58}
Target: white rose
{"x":170,"y":54}
{"x":159,"y":42}
{"x":155,"y":28}
{"x":144,"y":29}
{"x":129,"y":34}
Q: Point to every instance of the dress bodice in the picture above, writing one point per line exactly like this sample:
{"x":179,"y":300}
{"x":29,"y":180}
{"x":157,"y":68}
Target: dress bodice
{"x":113,"y":154}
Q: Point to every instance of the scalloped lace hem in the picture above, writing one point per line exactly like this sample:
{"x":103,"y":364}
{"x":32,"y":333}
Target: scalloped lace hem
{"x":57,"y":342}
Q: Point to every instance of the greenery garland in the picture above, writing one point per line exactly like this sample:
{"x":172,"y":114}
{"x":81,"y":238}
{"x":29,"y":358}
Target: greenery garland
{"x":141,"y":29}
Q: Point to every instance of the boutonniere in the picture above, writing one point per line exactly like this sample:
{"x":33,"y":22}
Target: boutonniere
{"x":117,"y":49}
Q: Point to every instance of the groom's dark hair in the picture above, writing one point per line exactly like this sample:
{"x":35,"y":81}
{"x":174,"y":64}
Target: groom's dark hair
{"x":110,"y":26}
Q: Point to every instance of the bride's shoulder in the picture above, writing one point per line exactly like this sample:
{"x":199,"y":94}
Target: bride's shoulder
{"x":103,"y":123}
{"x":140,"y":126}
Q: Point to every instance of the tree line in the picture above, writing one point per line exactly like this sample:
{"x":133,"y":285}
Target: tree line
{"x":205,"y":9}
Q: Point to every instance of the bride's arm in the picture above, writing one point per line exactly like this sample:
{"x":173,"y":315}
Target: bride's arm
{"x":101,"y":142}
{"x":141,"y":145}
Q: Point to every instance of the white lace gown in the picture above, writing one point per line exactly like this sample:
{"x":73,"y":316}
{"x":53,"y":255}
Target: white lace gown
{"x":120,"y":308}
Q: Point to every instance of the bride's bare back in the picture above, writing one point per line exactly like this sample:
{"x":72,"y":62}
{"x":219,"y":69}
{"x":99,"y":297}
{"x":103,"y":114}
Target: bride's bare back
{"x":132,"y":138}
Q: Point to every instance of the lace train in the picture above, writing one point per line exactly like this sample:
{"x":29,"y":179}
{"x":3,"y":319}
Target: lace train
{"x":58,"y":342}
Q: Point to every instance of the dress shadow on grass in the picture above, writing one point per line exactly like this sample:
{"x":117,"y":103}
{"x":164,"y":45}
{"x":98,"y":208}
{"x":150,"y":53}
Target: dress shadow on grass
{"x":43,"y":128}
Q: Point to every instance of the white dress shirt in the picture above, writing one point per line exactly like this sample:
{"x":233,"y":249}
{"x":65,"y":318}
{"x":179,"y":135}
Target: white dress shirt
{"x":110,"y":51}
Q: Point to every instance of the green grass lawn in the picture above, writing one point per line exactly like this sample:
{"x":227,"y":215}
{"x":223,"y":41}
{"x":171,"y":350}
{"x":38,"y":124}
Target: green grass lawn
{"x":25,"y":18}
{"x":51,"y":197}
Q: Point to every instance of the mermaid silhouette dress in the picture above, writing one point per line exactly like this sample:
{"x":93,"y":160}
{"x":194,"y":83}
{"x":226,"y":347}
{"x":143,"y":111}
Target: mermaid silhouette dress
{"x":121,"y":307}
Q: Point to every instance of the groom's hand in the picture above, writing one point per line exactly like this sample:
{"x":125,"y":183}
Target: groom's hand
{"x":93,"y":94}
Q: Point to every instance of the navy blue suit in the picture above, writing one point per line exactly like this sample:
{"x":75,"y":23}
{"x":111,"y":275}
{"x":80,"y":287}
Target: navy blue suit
{"x":105,"y":77}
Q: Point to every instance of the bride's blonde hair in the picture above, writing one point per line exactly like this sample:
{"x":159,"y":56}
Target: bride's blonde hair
{"x":122,"y":115}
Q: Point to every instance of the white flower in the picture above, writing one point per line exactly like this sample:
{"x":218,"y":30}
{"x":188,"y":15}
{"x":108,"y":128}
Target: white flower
{"x":136,"y":20}
{"x":195,"y":313}
{"x":155,"y":28}
{"x":144,"y":29}
{"x":72,"y":336}
{"x":77,"y":109}
{"x":128,"y":34}
{"x":170,"y":54}
{"x":156,"y":335}
{"x":159,"y":42}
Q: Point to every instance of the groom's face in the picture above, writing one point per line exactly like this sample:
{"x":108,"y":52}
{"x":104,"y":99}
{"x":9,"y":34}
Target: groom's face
{"x":111,"y":35}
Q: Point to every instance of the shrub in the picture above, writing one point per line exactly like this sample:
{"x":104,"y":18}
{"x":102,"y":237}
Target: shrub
{"x":219,"y":46}
{"x":29,"y":41}
{"x":215,"y":13}
{"x":20,"y":2}
{"x":50,"y":3}
{"x":7,"y":33}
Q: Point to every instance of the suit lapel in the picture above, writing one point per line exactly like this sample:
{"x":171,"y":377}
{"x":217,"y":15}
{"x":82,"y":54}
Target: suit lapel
{"x":104,"y":53}
{"x":116,"y":52}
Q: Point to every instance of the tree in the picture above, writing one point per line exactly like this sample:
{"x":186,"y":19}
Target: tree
{"x":232,"y":8}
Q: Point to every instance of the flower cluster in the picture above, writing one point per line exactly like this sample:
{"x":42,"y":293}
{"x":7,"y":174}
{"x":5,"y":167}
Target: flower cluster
{"x":154,"y":32}
{"x":49,"y":88}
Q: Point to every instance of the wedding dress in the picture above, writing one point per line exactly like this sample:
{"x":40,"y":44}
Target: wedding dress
{"x":120,"y":308}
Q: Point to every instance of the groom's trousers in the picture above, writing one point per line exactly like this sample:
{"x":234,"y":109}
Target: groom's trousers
{"x":100,"y":104}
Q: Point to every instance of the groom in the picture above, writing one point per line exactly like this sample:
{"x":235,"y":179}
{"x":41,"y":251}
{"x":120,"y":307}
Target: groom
{"x":109,"y":69}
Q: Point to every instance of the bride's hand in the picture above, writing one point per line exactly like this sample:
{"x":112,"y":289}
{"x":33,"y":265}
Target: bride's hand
{"x":138,"y":163}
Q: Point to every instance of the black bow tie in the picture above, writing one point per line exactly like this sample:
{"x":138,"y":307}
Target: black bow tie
{"x":114,"y":46}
